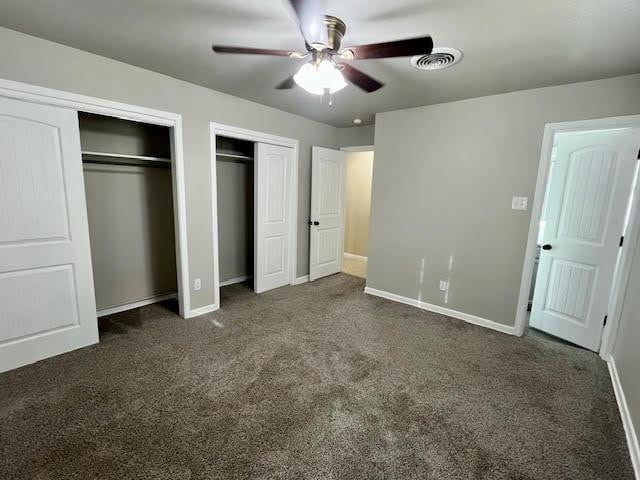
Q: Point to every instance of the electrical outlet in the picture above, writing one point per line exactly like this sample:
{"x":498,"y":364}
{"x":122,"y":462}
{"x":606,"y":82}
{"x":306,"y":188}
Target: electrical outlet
{"x":197,"y":284}
{"x":519,"y":203}
{"x":444,"y":285}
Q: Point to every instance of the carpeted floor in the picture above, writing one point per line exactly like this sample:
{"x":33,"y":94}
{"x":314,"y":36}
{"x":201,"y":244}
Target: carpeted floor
{"x":318,"y":381}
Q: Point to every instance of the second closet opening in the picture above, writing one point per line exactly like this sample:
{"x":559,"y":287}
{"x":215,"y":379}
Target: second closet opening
{"x":235,"y":185}
{"x":255,"y":209}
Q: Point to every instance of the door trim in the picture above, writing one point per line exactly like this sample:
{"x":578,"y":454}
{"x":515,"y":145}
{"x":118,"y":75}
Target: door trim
{"x":85,"y":103}
{"x":623,"y":268}
{"x":361,"y":148}
{"x":625,"y":415}
{"x":257,"y":137}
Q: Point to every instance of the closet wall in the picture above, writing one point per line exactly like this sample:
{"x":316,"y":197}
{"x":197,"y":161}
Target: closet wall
{"x":234,"y":168}
{"x":130,"y":211}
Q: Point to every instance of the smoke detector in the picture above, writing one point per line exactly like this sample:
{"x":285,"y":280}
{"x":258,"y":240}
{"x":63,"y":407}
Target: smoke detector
{"x":439,"y":58}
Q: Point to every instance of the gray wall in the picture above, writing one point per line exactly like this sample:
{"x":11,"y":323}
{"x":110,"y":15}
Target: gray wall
{"x":626,"y":352}
{"x":235,"y":218}
{"x":355,"y":136}
{"x":40,"y":62}
{"x":130,"y":213}
{"x":443,"y":179}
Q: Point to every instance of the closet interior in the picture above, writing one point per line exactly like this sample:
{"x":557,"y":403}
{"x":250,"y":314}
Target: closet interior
{"x":128,"y":185}
{"x":235,"y":186}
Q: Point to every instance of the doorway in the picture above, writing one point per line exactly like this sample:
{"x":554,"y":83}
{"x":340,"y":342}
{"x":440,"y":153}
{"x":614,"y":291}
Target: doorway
{"x":584,"y":212}
{"x":358,"y":179}
{"x":254,"y":184}
{"x":340,"y":209}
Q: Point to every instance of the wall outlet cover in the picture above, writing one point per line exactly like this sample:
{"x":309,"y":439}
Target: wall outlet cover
{"x":197,"y":284}
{"x":519,"y":203}
{"x":444,"y":285}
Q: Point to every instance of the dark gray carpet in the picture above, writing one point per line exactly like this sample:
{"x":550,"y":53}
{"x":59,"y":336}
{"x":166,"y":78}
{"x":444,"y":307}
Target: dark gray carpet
{"x":317,"y":381}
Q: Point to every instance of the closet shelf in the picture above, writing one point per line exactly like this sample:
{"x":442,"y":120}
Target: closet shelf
{"x":233,"y":155}
{"x":124,"y":159}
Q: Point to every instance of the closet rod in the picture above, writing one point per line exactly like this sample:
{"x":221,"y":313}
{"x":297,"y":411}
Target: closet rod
{"x":234,"y":156}
{"x":122,"y":159}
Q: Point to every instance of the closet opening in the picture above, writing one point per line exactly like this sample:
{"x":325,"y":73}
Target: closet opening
{"x":236,"y":216}
{"x":127,"y":168}
{"x":255,"y":207}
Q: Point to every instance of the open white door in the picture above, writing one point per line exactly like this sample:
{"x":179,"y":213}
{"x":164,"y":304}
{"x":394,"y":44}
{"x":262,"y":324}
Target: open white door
{"x":327,"y":212}
{"x":273,"y":188}
{"x":588,"y":194}
{"x":47,"y":303}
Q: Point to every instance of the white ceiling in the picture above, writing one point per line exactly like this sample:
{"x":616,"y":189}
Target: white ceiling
{"x":508,"y":44}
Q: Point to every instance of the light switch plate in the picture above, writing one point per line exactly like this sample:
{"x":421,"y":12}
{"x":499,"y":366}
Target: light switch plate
{"x":519,"y":203}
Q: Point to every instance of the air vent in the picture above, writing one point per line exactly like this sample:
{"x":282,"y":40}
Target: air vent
{"x":439,"y":58}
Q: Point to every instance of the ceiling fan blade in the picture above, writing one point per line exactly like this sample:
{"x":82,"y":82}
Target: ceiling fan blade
{"x":399,"y":48}
{"x":310,"y":15}
{"x":286,"y":84}
{"x":251,"y":51}
{"x":360,"y":79}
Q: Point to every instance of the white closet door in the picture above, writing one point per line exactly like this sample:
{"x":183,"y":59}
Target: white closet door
{"x":327,"y":212}
{"x":588,"y":195}
{"x":47,"y":303}
{"x":272,"y":199}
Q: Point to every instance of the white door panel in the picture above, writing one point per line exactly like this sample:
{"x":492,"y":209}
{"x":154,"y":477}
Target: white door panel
{"x":588,"y":195}
{"x":327,"y":212}
{"x":47,"y":303}
{"x":273,"y":180}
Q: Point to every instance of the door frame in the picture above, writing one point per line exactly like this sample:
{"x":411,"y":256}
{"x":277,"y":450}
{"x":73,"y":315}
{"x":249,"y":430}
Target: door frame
{"x":256,"y":137}
{"x":623,"y":267}
{"x":85,"y":103}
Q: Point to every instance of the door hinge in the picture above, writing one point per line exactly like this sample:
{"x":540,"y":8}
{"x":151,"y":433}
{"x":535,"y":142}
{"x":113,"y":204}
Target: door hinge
{"x":605,"y":320}
{"x":621,"y":240}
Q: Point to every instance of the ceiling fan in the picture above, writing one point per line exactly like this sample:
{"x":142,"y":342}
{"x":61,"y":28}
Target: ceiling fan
{"x":325,"y":72}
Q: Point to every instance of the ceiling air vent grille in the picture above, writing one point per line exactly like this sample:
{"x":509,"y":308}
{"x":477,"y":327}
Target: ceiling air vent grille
{"x":439,"y":58}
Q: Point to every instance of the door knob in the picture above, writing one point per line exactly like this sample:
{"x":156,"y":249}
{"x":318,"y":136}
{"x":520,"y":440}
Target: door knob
{"x":546,"y":246}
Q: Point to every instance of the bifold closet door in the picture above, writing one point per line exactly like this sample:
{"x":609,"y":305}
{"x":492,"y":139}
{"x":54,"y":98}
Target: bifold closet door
{"x":47,"y":303}
{"x":272,"y":199}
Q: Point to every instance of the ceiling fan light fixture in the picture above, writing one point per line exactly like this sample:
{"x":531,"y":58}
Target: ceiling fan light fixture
{"x":315,"y":78}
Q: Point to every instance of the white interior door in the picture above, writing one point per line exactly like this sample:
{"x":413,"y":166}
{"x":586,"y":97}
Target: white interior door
{"x":589,"y":190}
{"x":272,"y":214}
{"x":47,"y":303}
{"x":327,"y":212}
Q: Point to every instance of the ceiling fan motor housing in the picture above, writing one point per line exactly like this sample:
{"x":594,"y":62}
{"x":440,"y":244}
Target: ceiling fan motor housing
{"x":336,"y":29}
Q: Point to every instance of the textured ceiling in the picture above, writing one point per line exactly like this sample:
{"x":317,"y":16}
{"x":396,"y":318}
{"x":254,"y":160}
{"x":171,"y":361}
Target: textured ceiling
{"x":508,"y":44}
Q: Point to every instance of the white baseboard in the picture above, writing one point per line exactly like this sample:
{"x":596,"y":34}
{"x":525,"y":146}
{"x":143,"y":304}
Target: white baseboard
{"x":353,"y":256}
{"x":625,"y":415}
{"x":232,"y":281}
{"x":302,"y":279}
{"x":196,"y":312}
{"x":483,"y":322}
{"x":140,"y":303}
